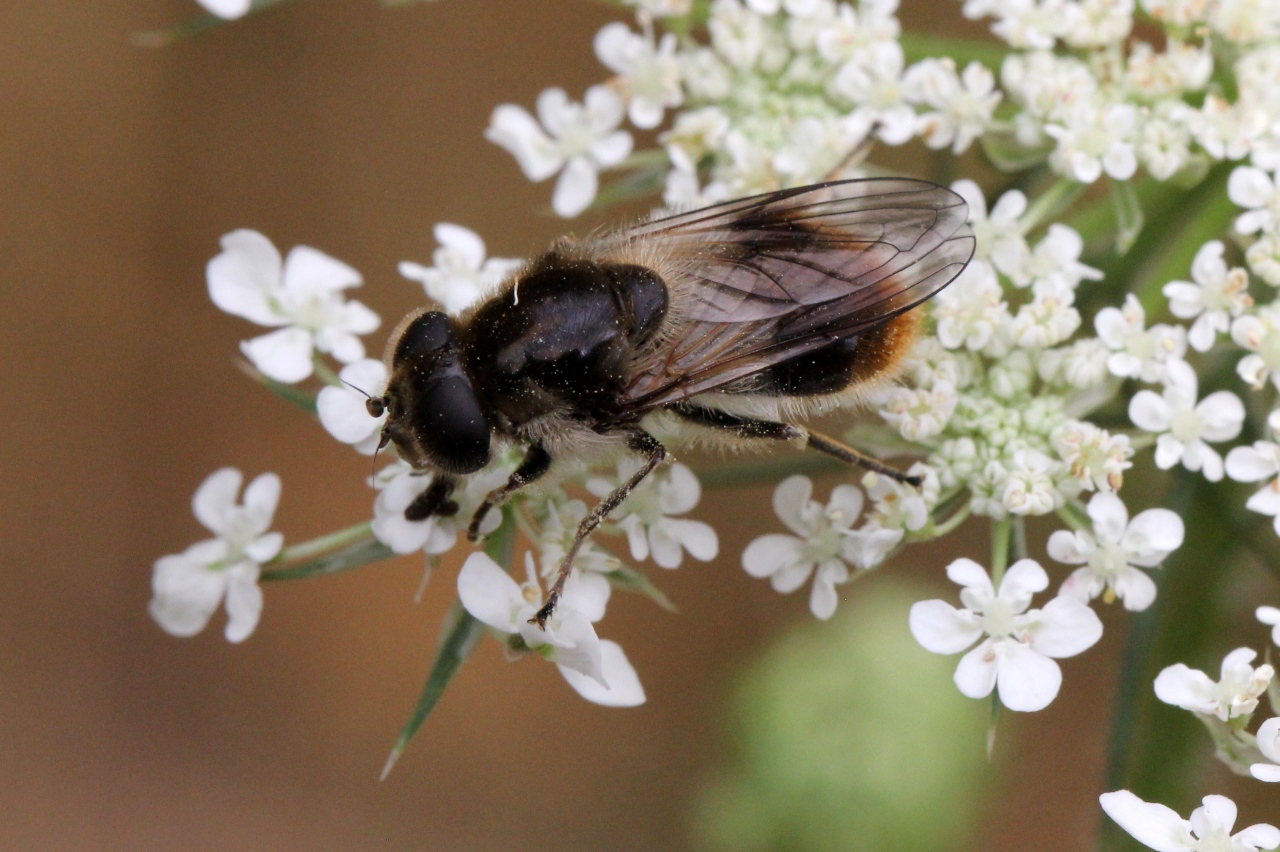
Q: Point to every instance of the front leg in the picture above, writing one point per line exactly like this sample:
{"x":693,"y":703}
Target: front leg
{"x":640,"y":442}
{"x":535,"y":465}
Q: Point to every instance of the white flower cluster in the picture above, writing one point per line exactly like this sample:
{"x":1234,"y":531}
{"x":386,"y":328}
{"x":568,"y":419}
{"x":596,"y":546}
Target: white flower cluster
{"x":780,"y":94}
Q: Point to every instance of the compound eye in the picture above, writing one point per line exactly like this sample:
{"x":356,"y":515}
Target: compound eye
{"x":422,"y":337}
{"x":451,"y":426}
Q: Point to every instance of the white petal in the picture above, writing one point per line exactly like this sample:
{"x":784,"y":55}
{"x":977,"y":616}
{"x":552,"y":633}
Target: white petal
{"x":681,"y":492}
{"x":624,"y":688}
{"x":464,"y":241}
{"x":613,"y":148}
{"x":489,"y":593}
{"x":575,"y":645}
{"x":1028,"y":680}
{"x":1217,"y":812}
{"x":1136,"y":589}
{"x":698,"y":538}
{"x":1068,"y":547}
{"x":941,"y":628}
{"x":847,"y":501}
{"x":216,"y":498}
{"x":245,"y":277}
{"x":1169,"y":451}
{"x":343,"y":414}
{"x":185,"y":594}
{"x":244,"y":602}
{"x":1250,"y":187}
{"x":1247,"y":464}
{"x":1149,"y":411}
{"x":264,"y":548}
{"x":1261,"y":836}
{"x":1023,"y":579}
{"x":229,"y":9}
{"x":771,"y":553}
{"x":1152,"y":825}
{"x":970,"y":574}
{"x":1265,"y":772}
{"x":1269,"y":738}
{"x":822,"y":597}
{"x":791,"y":577}
{"x":637,"y":538}
{"x":789,"y":500}
{"x":309,"y":271}
{"x":1223,"y":414}
{"x":1065,"y":627}
{"x":664,"y":546}
{"x":587,"y":592}
{"x":576,"y":188}
{"x":1152,"y":536}
{"x":1187,"y":688}
{"x":976,"y":674}
{"x":1109,"y":516}
{"x":283,"y":355}
{"x":513,"y":128}
{"x":261,"y":498}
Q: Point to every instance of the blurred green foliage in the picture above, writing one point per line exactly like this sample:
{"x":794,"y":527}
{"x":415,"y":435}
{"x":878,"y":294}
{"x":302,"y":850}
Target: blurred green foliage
{"x":848,"y":735}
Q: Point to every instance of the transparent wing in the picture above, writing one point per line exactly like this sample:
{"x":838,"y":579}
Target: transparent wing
{"x":772,"y":277}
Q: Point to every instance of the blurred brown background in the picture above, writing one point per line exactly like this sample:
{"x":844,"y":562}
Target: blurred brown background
{"x":353,"y":128}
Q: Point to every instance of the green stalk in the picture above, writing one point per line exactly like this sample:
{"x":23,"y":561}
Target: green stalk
{"x":458,"y":636}
{"x":1001,"y":533}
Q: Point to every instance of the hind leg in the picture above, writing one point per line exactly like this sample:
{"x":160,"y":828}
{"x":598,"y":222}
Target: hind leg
{"x":746,"y":427}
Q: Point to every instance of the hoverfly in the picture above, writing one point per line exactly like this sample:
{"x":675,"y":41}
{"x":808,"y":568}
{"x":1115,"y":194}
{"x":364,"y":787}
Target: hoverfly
{"x":738,"y":319}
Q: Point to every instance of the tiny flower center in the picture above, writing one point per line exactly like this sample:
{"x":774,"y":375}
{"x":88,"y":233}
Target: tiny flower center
{"x":1107,"y":561}
{"x":1215,"y":841}
{"x":1186,"y":426}
{"x":997,"y":617}
{"x":1139,"y":344}
{"x":1270,"y":350}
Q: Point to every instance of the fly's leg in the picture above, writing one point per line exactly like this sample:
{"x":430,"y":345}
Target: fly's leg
{"x":640,"y":442}
{"x":435,"y":501}
{"x":856,"y":154}
{"x":535,"y":465}
{"x":750,"y":428}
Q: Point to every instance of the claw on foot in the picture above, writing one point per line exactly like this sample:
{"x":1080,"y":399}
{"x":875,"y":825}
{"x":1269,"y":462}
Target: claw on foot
{"x":541,"y":616}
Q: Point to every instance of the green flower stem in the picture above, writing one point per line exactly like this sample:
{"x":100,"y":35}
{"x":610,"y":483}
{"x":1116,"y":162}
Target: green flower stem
{"x":324,"y":372}
{"x":1073,"y":515}
{"x":290,"y":394}
{"x":1001,"y":532}
{"x":917,"y":46}
{"x":933,"y":530}
{"x":1050,"y":204}
{"x":458,"y":636}
{"x":355,"y":555}
{"x":325,"y":543}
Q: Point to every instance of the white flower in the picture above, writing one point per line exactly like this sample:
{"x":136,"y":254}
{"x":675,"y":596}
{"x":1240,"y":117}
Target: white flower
{"x":1138,"y":352}
{"x":1235,"y":694}
{"x":644,"y":515}
{"x":578,"y":138}
{"x":1270,"y":616}
{"x":1115,"y":550}
{"x":1185,"y":427}
{"x":1160,"y":828}
{"x":1254,"y":464}
{"x":1245,"y":21}
{"x":1263,"y":257}
{"x":1047,"y":320}
{"x":302,"y":293}
{"x":1269,"y":744}
{"x":1055,"y":261}
{"x":1096,"y":458}
{"x":598,"y":670}
{"x":876,"y":91}
{"x":972,"y":309}
{"x":187,"y":587}
{"x":917,"y":413}
{"x":997,"y":234}
{"x":1024,"y":24}
{"x":1216,"y":295}
{"x":1255,"y":189}
{"x":962,"y":105}
{"x":1031,"y":487}
{"x":229,"y":9}
{"x":1225,"y":130}
{"x":460,"y":274}
{"x":853,"y":34}
{"x":1015,"y":658}
{"x":822,"y":548}
{"x":398,"y":520}
{"x":1163,"y":143}
{"x":342,"y":408}
{"x":663,"y":8}
{"x":1179,"y":13}
{"x":558,"y":521}
{"x":1095,"y":138}
{"x":1098,"y":23}
{"x":1081,"y":365}
{"x":1259,"y":333}
{"x":650,"y":75}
